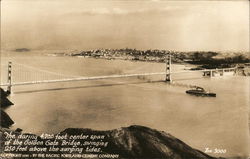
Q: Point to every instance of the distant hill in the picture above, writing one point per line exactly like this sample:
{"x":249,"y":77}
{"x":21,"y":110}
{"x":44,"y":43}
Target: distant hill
{"x":207,"y":59}
{"x":22,"y":50}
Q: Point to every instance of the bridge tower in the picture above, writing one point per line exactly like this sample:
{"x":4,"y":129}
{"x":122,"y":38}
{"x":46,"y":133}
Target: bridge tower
{"x":9,"y":78}
{"x":168,"y":68}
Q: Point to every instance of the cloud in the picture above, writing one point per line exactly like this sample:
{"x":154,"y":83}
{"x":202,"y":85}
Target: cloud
{"x":103,"y":11}
{"x":121,"y":11}
{"x":106,"y":11}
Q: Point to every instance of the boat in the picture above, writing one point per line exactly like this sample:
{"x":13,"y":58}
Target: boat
{"x":199,"y":91}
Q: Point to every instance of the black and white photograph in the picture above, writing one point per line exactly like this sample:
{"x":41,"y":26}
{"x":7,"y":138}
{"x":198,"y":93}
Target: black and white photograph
{"x":125,"y":79}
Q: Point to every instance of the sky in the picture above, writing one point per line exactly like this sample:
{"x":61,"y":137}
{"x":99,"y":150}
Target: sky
{"x":141,"y":24}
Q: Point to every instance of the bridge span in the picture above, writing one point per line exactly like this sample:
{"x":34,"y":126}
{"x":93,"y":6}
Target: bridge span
{"x":9,"y":82}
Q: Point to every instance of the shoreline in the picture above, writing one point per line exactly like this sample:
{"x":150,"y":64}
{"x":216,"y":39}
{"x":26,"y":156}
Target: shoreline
{"x":242,"y":70}
{"x":200,"y":59}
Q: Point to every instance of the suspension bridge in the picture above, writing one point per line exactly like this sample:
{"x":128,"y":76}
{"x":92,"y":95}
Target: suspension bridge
{"x":17,"y":74}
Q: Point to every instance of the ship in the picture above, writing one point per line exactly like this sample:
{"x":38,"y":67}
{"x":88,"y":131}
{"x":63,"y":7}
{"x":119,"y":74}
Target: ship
{"x":199,"y":91}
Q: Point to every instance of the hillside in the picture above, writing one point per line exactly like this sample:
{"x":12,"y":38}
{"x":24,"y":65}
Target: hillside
{"x":128,"y":142}
{"x":205,"y":59}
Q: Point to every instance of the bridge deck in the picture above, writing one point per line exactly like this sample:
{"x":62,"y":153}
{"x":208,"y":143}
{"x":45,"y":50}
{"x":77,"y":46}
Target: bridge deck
{"x":106,"y":77}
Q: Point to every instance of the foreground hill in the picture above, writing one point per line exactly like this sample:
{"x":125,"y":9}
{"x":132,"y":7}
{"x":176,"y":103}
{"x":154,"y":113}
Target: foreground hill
{"x":128,"y":142}
{"x":143,"y":142}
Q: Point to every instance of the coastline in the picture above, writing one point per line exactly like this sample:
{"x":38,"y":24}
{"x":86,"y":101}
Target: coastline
{"x":200,"y":59}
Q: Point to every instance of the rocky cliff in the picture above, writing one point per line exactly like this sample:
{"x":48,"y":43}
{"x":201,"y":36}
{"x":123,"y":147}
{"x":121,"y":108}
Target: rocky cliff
{"x":4,"y":101}
{"x":5,"y":120}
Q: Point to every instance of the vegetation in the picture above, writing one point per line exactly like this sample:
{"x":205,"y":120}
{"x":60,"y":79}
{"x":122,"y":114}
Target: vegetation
{"x":218,"y":60}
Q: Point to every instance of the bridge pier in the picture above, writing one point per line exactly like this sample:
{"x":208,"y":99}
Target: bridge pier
{"x":168,"y":69}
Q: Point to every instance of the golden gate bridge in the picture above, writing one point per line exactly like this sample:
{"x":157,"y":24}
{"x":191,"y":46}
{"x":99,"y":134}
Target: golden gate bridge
{"x":16,"y":74}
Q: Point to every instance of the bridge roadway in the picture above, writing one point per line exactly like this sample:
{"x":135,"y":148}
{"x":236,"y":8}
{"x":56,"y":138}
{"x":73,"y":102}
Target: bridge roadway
{"x":107,"y":77}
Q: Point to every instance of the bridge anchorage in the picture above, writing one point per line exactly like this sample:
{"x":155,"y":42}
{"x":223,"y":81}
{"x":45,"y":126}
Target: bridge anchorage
{"x":39,"y":76}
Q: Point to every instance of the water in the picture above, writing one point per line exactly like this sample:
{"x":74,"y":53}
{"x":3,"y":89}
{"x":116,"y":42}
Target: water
{"x":220,"y":122}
